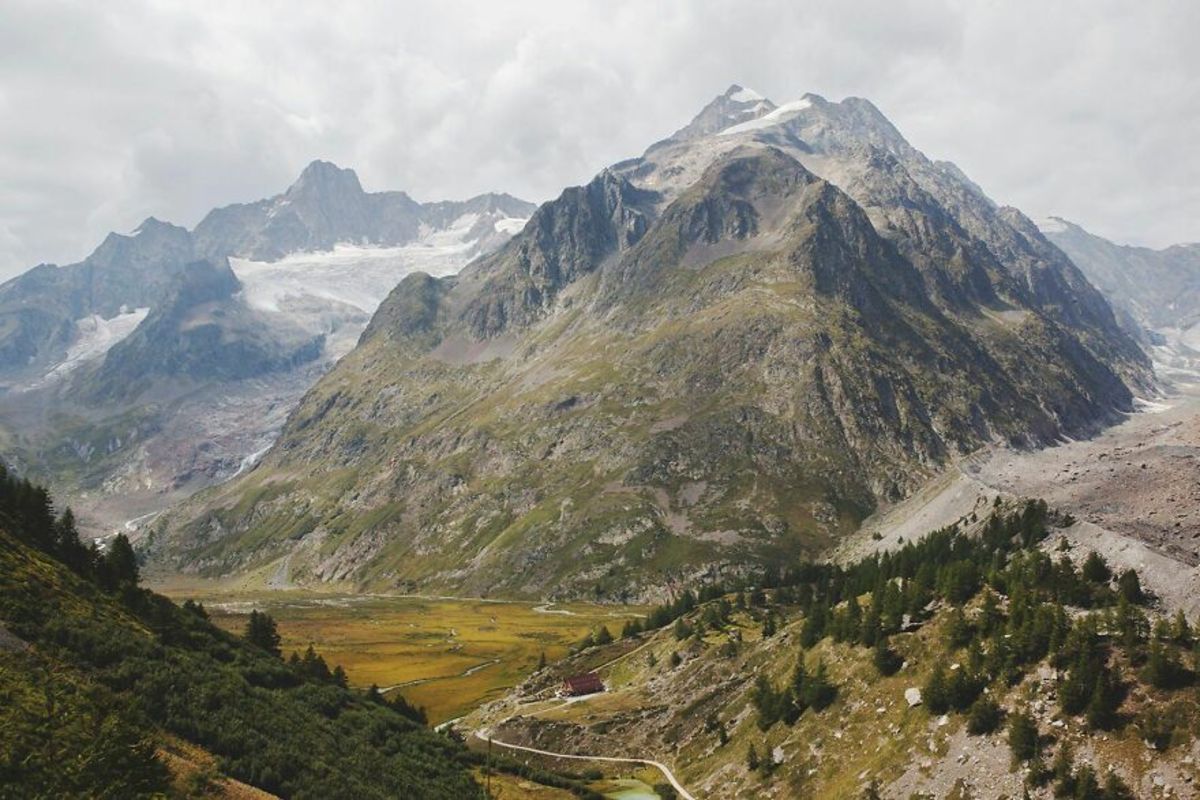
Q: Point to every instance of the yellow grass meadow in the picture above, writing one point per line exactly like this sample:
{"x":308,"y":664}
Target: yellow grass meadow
{"x":448,"y":655}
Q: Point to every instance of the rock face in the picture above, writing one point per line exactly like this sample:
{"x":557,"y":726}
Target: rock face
{"x":1150,"y":289}
{"x":169,"y":359}
{"x":718,"y":355}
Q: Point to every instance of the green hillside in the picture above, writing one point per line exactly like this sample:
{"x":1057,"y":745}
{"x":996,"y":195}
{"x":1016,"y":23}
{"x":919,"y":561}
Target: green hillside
{"x":103,"y":683}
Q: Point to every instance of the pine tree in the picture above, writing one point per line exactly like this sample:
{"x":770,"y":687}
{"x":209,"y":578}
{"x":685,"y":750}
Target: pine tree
{"x":819,"y":691}
{"x":887,"y":661}
{"x":340,"y":678}
{"x":119,"y":567}
{"x":984,"y":716}
{"x":989,"y":616}
{"x":1095,"y":569}
{"x":752,"y":759}
{"x":602,"y":636}
{"x":1022,"y":736}
{"x":1086,"y":785}
{"x":958,"y":630}
{"x":1102,"y":707}
{"x":1181,"y":631}
{"x":1064,"y":771}
{"x":1130,"y":586}
{"x":262,"y":631}
{"x":814,"y":628}
{"x":936,"y":693}
{"x":1116,"y":789}
{"x":542,"y":660}
{"x":313,"y":666}
{"x":1162,"y":669}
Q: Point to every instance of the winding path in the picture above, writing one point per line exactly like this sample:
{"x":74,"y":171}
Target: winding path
{"x":683,"y":793}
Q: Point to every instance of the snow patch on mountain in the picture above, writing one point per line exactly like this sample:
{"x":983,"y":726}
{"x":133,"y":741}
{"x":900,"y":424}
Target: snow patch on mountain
{"x":335,"y":292}
{"x":94,"y":336}
{"x":776,"y":117}
{"x":359,"y":276}
{"x":511,"y":225}
{"x":1051,"y":225}
{"x":745,"y":96}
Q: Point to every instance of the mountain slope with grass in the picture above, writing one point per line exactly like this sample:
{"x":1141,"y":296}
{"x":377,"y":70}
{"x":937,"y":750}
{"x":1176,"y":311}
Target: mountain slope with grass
{"x":725,"y":353}
{"x":107,"y":684}
{"x":986,"y":660}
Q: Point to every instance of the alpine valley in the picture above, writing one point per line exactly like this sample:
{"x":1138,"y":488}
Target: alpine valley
{"x":776,"y":462}
{"x":723,"y":354}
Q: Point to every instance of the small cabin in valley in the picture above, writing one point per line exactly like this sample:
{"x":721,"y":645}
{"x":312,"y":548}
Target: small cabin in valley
{"x":579,"y":685}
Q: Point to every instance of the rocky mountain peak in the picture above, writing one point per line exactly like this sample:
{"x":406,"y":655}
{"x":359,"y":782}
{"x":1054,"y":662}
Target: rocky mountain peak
{"x":155,"y":226}
{"x":734,"y":106}
{"x":325,"y":179}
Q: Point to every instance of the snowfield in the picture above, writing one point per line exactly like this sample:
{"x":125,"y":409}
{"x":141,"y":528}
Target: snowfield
{"x":94,"y":335}
{"x":1051,"y":225}
{"x":359,"y":276}
{"x":336,"y":292}
{"x":779,"y":115}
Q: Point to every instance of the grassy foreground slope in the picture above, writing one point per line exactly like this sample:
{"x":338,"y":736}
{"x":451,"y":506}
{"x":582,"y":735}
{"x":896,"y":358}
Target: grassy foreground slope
{"x":100,"y":680}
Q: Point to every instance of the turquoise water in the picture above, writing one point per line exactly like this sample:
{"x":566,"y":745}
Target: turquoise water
{"x":632,"y":790}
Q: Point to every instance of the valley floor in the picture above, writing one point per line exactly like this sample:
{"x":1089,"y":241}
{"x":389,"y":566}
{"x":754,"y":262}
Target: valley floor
{"x":447,"y":655}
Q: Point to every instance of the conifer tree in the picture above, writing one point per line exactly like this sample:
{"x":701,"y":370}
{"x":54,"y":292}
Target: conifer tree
{"x":936,"y":693}
{"x":1116,"y":789}
{"x":262,"y":631}
{"x":1022,"y":736}
{"x":1102,"y":707}
{"x":887,"y":661}
{"x":752,"y":759}
{"x":340,"y":678}
{"x":1095,"y":568}
{"x":119,"y":567}
{"x":984,"y":716}
{"x":819,"y":691}
{"x":1181,"y":631}
{"x":1130,"y":586}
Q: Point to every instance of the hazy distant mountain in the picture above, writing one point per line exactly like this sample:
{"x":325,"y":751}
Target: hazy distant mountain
{"x":1154,"y":289}
{"x":726,"y":351}
{"x":167,"y":359}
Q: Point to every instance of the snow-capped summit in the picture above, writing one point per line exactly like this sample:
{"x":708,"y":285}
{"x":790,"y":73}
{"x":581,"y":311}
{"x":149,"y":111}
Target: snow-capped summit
{"x":736,"y":105}
{"x":740,"y":94}
{"x":775,"y":117}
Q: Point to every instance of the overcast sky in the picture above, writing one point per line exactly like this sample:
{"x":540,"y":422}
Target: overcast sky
{"x":111,"y":112}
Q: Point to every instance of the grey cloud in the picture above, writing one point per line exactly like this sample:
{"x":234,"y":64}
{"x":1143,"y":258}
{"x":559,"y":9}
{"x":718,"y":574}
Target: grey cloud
{"x":114,"y":112}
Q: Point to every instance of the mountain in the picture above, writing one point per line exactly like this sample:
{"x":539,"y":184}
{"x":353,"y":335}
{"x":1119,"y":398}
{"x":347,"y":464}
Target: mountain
{"x":327,"y":206}
{"x":722,"y":354}
{"x":168,"y":359}
{"x":1151,"y":289}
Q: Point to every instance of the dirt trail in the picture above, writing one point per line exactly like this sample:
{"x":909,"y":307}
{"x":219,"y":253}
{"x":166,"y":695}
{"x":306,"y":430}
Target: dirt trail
{"x":483,"y":735}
